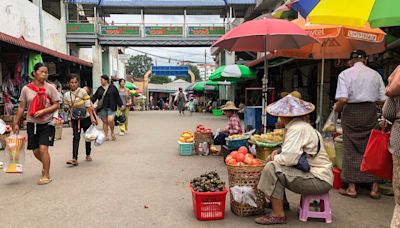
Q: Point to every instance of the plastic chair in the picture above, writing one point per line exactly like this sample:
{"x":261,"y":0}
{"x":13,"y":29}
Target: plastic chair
{"x":324,"y":212}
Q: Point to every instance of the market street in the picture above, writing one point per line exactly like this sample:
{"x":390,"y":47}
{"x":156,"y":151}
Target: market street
{"x":144,"y":169}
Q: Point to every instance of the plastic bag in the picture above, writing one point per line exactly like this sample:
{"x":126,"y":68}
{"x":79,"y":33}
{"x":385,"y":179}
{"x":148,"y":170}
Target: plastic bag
{"x":101,"y":138}
{"x":330,"y":124}
{"x":244,"y":195}
{"x":377,"y":159}
{"x":91,"y":133}
{"x":14,"y":154}
{"x":330,"y":149}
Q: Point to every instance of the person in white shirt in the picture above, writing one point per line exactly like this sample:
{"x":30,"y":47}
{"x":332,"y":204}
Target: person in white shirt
{"x":358,"y":92}
{"x":301,"y":140}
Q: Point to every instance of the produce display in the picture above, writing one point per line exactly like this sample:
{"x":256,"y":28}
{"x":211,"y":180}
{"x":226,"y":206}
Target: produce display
{"x":201,"y":129}
{"x":186,"y":137}
{"x":237,"y":137}
{"x":275,"y":136}
{"x":242,"y":157}
{"x":208,"y":182}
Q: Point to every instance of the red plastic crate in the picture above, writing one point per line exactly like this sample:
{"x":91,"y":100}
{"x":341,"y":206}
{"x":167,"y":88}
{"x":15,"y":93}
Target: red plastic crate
{"x":209,"y":205}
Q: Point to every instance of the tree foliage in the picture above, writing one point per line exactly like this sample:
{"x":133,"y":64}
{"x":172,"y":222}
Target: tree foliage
{"x":159,"y":79}
{"x":139,"y":65}
{"x":195,"y":71}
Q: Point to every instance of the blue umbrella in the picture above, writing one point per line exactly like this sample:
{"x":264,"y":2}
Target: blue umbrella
{"x":304,"y":7}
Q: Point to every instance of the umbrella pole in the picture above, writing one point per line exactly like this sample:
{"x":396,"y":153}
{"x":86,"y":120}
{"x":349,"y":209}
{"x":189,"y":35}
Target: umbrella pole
{"x":264,"y":89}
{"x":321,"y":94}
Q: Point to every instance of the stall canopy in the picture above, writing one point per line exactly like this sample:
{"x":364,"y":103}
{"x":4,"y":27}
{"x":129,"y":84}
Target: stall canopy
{"x":20,"y":42}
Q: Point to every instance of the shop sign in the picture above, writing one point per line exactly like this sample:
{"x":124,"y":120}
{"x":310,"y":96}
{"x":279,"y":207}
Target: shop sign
{"x":206,"y":30}
{"x":80,"y":28}
{"x":120,"y":30}
{"x":364,"y":36}
{"x":164,"y":31}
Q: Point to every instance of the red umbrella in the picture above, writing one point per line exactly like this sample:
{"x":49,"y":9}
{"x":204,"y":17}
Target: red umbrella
{"x":265,"y":35}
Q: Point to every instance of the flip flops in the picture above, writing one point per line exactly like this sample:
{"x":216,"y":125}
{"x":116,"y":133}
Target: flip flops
{"x":347,"y":192}
{"x":72,"y":162}
{"x":375,"y":195}
{"x":44,"y":180}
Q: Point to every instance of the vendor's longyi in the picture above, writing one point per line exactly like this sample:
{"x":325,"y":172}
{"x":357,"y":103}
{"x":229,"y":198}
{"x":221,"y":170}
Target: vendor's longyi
{"x":290,"y":106}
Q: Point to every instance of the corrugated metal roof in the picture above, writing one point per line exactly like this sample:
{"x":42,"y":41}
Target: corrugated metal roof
{"x":36,"y":47}
{"x":163,"y":3}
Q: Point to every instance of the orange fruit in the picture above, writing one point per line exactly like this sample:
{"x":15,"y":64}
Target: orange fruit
{"x":240,"y":157}
{"x":243,"y":150}
{"x":234,"y":154}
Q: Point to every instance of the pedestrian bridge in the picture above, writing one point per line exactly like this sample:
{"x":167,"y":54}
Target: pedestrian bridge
{"x":175,"y":35}
{"x":86,"y":22}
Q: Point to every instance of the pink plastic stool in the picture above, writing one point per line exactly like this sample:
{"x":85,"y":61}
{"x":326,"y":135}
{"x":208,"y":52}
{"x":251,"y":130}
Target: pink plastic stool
{"x":324,"y":212}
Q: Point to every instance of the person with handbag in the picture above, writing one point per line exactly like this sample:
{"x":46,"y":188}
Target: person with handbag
{"x":77,"y":102}
{"x":302,"y":165}
{"x":126,"y":98}
{"x":390,"y":111}
{"x":108,"y":100}
{"x":42,"y":101}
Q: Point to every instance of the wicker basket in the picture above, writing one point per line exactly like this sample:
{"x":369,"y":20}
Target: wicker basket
{"x":246,"y":176}
{"x":203,"y":137}
{"x":264,"y":151}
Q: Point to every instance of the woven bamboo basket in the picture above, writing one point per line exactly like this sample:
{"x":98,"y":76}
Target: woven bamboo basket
{"x":262,"y":152}
{"x":246,"y":176}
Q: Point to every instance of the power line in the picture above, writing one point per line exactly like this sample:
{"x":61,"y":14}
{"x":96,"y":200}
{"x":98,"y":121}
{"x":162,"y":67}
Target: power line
{"x":167,"y":58}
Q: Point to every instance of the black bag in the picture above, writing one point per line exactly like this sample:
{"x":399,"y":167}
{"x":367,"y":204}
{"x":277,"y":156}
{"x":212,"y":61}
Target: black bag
{"x":302,"y":164}
{"x":76,"y":112}
{"x":120,"y":119}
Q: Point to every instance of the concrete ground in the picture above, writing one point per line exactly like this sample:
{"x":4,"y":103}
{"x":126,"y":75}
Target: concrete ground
{"x":141,"y":181}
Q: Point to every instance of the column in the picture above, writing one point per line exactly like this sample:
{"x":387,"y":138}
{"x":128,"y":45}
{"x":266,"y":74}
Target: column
{"x":97,"y":70}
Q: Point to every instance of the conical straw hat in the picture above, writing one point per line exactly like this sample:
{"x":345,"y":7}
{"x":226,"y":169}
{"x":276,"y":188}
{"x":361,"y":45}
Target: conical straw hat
{"x":290,"y":106}
{"x":229,"y":106}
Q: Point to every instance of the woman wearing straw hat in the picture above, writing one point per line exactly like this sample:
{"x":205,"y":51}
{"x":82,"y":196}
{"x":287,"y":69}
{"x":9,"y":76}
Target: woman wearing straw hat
{"x":302,"y":165}
{"x":234,"y":127}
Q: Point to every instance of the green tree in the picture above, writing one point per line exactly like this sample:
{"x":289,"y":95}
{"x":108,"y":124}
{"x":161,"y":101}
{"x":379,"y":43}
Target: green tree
{"x":195,"y":71}
{"x":139,"y":65}
{"x":159,"y":79}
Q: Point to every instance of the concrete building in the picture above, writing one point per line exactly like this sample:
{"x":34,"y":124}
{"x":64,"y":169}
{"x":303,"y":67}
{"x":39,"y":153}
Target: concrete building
{"x":205,"y":70}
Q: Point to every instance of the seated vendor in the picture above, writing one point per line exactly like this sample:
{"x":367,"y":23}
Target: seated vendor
{"x":281,"y":170}
{"x":234,"y":127}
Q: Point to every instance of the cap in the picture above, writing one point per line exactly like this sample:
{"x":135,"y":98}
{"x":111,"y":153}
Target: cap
{"x":358,"y":54}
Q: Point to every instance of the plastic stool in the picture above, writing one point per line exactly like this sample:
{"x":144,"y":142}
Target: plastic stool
{"x":324,"y":206}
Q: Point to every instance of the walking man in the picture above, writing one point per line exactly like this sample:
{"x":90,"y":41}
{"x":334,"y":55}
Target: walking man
{"x":359,"y":90}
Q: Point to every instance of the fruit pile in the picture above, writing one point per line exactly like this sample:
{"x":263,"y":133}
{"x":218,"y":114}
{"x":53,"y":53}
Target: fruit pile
{"x":275,"y":136}
{"x":237,"y":137}
{"x":201,"y":129}
{"x":208,"y":182}
{"x":242,"y":157}
{"x":186,"y":137}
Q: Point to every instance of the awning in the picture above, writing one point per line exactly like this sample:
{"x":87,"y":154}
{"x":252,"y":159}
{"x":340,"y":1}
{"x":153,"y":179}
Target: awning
{"x":260,"y":60}
{"x":36,"y":47}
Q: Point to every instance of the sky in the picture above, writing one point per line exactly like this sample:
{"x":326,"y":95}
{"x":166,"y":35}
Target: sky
{"x":195,"y":54}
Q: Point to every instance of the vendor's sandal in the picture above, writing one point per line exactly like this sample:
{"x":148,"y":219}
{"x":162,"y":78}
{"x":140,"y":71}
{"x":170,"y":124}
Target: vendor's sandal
{"x":375,"y":195}
{"x":43,"y":181}
{"x":347,"y":192}
{"x":88,"y":158}
{"x":113,"y":138}
{"x":270,"y":220}
{"x":72,"y":162}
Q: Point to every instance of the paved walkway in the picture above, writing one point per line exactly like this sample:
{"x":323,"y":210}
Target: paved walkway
{"x":143,"y":169}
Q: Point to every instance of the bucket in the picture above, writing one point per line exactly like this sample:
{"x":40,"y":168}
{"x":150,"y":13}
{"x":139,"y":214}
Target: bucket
{"x":337,"y":181}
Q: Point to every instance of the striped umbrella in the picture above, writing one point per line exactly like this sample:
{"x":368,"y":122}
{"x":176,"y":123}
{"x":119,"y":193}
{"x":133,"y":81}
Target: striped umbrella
{"x":232,"y":73}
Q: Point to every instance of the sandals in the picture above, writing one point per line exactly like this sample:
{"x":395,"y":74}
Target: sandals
{"x":270,"y":220}
{"x":347,"y":192}
{"x":113,"y":138}
{"x":375,"y":195}
{"x":72,"y":162}
{"x":44,"y":180}
{"x":88,"y":158}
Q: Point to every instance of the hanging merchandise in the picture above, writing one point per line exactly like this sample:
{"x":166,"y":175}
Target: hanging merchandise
{"x":33,"y":60}
{"x":52,"y":68}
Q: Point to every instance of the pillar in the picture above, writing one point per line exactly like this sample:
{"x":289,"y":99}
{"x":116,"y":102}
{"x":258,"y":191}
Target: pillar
{"x":97,"y":69}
